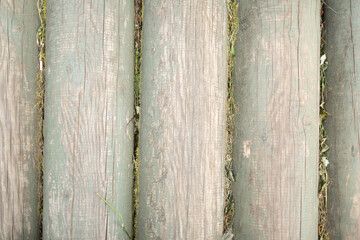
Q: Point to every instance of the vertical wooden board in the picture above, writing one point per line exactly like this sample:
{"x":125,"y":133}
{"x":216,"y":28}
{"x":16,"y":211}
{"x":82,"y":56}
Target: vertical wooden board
{"x":342,"y":125}
{"x":276,"y":90}
{"x":88,"y":119}
{"x":182,"y":134}
{"x":18,"y":126}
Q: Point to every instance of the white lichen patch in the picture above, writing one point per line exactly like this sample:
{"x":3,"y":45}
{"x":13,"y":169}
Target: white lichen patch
{"x":355,"y":209}
{"x":247,"y":150}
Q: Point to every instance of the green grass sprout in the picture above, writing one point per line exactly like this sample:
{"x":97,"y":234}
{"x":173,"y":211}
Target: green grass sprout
{"x":118,"y":213}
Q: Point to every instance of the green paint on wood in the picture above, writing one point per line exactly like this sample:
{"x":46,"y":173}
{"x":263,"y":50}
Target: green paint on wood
{"x":88,"y":119}
{"x":182,"y":134}
{"x":276,"y":91}
{"x":18,"y":126}
{"x":342,"y":125}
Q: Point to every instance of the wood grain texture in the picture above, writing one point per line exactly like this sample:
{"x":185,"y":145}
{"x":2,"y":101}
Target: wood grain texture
{"x":18,"y":127}
{"x":182,"y":134}
{"x":276,"y":90}
{"x":88,"y":119}
{"x":343,"y":123}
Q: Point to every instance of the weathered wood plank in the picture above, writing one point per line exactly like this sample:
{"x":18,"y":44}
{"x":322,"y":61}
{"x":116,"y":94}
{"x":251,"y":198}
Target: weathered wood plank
{"x":276,"y":91}
{"x":88,"y":119}
{"x":18,"y":126}
{"x":342,"y":126}
{"x":182,"y":134}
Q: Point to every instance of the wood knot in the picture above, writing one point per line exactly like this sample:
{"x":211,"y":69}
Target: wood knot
{"x":244,"y":24}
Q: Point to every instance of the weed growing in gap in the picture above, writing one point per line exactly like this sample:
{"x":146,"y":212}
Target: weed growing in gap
{"x":118,"y":213}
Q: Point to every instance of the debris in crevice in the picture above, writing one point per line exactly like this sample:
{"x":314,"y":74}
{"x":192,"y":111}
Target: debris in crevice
{"x":323,"y":147}
{"x":137,"y":91}
{"x":40,"y":100}
{"x":233,"y":26}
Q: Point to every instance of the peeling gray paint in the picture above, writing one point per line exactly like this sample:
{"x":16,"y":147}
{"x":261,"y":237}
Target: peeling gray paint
{"x":18,"y":120}
{"x":276,"y":91}
{"x":89,"y":102}
{"x":342,"y":125}
{"x":182,"y":134}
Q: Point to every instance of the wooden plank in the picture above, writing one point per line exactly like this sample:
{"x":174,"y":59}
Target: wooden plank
{"x":182,"y":134}
{"x":19,"y":218}
{"x":342,"y":125}
{"x":276,"y":91}
{"x":88,"y":119}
